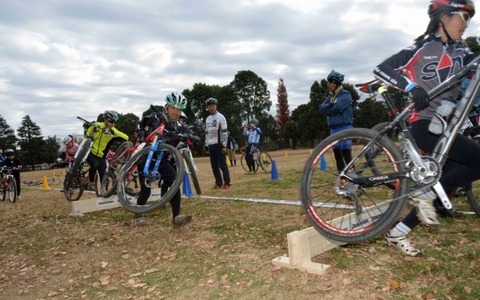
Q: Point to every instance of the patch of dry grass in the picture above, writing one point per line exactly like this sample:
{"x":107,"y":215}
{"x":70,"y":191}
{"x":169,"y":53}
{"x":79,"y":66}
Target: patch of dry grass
{"x":225,"y":253}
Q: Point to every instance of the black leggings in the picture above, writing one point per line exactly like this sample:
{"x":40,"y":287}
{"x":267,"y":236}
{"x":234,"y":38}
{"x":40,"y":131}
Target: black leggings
{"x":462,"y":166}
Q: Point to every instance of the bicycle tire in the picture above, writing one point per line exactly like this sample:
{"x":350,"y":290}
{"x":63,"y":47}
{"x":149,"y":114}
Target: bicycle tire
{"x":192,"y":172}
{"x":72,"y":186}
{"x":109,"y":182}
{"x":472,"y":192}
{"x":243,"y":162}
{"x":265,"y":162}
{"x":132,"y":185}
{"x":138,"y":158}
{"x":353,"y":213}
{"x":82,"y":152}
{"x":11,"y":190}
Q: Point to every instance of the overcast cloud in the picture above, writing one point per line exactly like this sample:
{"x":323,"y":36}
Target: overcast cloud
{"x":62,"y":59}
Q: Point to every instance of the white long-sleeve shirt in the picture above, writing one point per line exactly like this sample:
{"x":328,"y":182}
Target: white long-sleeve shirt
{"x":216,"y":130}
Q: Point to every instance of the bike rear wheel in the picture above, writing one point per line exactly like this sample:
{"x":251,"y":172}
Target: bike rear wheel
{"x":155,"y":201}
{"x":243,"y":162}
{"x":348,"y":211}
{"x":191,"y":170}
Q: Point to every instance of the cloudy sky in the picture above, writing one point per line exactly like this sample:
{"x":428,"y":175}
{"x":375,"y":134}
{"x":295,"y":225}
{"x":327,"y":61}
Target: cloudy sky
{"x":65,"y":58}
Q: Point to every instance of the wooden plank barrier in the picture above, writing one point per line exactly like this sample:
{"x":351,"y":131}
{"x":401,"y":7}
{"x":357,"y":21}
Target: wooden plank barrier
{"x":95,"y":204}
{"x":305,"y":244}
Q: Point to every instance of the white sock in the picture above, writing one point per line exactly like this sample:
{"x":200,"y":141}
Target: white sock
{"x":399,"y":230}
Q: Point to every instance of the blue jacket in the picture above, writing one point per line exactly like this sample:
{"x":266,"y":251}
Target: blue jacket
{"x":341,"y":112}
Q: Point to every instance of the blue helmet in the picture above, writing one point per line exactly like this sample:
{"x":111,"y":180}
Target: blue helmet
{"x":335,"y":77}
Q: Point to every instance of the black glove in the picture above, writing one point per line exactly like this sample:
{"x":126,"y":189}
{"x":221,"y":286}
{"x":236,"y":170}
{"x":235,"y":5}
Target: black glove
{"x":420,"y":98}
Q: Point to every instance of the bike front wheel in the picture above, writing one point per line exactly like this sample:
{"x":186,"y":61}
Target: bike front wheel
{"x":73,"y":186}
{"x":264,"y":161}
{"x":150,"y":179}
{"x":10,"y":191}
{"x":360,"y":203}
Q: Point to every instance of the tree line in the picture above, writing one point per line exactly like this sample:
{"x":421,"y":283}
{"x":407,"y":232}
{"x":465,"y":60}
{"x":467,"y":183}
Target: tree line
{"x":245,"y":98}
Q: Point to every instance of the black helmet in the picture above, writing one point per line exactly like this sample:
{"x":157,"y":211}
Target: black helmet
{"x":212,"y":101}
{"x":111,"y":115}
{"x":335,"y":77}
{"x":438,"y":8}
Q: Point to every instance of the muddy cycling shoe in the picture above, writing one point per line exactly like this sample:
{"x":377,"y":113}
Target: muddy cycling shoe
{"x":426,"y":211}
{"x":402,"y":244}
{"x":181,"y":220}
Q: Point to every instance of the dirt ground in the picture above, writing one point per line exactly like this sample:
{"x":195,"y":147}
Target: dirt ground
{"x":225,"y":253}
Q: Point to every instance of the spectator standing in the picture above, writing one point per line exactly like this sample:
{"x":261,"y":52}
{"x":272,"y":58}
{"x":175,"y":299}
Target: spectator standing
{"x":215,"y":143}
{"x":16,"y":165}
{"x":338,"y":106}
{"x":232,"y":146}
{"x":253,"y":132}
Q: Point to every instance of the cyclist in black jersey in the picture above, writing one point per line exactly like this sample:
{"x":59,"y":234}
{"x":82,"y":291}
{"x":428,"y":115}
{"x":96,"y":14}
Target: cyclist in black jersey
{"x":174,"y":104}
{"x":434,"y":56}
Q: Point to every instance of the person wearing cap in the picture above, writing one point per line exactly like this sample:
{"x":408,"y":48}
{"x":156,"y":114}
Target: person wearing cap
{"x":102,"y":133}
{"x":338,"y":106}
{"x":175,"y":103}
{"x":434,"y":57}
{"x":216,"y":137}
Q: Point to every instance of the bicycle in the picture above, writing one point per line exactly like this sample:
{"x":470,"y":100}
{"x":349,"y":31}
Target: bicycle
{"x":122,"y":155}
{"x":147,"y":162}
{"x":190,"y":165}
{"x":261,"y":158}
{"x":364,"y":199}
{"x":468,"y":129}
{"x":8,"y":185}
{"x":76,"y":178}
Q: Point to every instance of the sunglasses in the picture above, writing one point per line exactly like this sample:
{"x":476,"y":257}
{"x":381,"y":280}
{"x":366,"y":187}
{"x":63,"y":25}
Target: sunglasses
{"x":111,"y":121}
{"x":464,"y":15}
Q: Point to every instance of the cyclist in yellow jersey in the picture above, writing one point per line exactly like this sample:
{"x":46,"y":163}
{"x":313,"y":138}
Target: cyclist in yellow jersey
{"x":102,"y":133}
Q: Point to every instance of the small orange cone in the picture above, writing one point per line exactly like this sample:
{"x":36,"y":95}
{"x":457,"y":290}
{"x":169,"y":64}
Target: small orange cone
{"x":45,"y":184}
{"x":286,"y":154}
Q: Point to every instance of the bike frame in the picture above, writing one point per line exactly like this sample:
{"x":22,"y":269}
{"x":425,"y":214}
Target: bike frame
{"x":444,"y":142}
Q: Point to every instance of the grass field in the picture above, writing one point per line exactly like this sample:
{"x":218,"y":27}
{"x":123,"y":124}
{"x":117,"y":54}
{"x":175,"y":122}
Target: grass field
{"x":225,"y":253}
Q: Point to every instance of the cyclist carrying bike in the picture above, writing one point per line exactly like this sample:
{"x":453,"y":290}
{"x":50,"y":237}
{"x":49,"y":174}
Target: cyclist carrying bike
{"x":253,"y":132}
{"x":11,"y":162}
{"x":102,"y":133}
{"x":174,"y":104}
{"x":434,"y":56}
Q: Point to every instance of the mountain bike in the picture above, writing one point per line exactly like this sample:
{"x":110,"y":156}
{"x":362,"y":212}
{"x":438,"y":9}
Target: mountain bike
{"x":471,"y":191}
{"x":190,"y":166}
{"x":148,"y":163}
{"x":122,"y":155}
{"x":76,"y":178}
{"x":261,"y":158}
{"x":364,"y":199}
{"x":8,"y":185}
